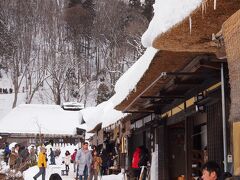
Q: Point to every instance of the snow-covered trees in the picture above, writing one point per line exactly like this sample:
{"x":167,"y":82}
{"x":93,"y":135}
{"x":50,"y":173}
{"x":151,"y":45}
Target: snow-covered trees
{"x":61,"y":49}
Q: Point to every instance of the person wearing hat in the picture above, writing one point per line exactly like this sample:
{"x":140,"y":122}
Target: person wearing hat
{"x":42,"y":164}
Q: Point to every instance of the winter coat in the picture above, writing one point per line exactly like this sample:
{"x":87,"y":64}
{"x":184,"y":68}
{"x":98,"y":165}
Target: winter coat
{"x":67,"y":159}
{"x":42,"y":162}
{"x":52,"y":155}
{"x":7,"y":151}
{"x":12,"y":158}
{"x":73,"y":157}
{"x":97,"y":162}
{"x":136,"y":158}
{"x":84,"y":158}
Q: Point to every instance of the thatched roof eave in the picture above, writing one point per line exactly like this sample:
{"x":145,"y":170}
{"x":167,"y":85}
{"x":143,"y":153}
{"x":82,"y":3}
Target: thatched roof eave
{"x":203,"y":26}
{"x":164,"y":61}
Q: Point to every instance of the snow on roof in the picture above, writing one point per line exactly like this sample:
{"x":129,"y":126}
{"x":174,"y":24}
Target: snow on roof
{"x":103,"y":113}
{"x":33,"y":118}
{"x":166,"y":15}
{"x":128,"y":81}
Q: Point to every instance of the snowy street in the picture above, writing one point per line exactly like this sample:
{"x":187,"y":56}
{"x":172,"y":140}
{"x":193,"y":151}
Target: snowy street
{"x":28,"y":175}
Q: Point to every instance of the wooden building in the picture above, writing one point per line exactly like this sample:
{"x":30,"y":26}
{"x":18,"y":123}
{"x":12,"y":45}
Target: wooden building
{"x":36,"y":124}
{"x":190,"y":91}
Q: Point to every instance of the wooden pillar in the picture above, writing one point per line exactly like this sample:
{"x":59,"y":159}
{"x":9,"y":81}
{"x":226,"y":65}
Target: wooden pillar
{"x":231,"y":33}
{"x":236,"y":148}
{"x":188,"y":147}
{"x":214,"y":133}
{"x":162,"y":153}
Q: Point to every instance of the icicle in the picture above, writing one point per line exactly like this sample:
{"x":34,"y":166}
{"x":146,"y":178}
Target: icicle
{"x":215,"y":4}
{"x":135,"y":89}
{"x":204,"y":7}
{"x":190,"y":25}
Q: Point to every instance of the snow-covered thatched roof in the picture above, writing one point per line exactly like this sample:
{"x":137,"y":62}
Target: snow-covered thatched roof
{"x":47,"y":119}
{"x":166,"y":15}
{"x":189,"y":25}
{"x":178,"y":28}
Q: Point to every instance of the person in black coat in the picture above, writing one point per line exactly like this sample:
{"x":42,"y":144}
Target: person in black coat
{"x":52,"y":157}
{"x":143,"y":162}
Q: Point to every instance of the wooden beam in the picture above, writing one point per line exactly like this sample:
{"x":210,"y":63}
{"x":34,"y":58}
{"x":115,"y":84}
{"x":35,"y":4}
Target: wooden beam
{"x":191,"y":82}
{"x":210,"y":65}
{"x":139,"y":112}
{"x":186,"y":74}
{"x":163,"y":97}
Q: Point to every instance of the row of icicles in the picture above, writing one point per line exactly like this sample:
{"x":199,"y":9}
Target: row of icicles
{"x":204,"y":10}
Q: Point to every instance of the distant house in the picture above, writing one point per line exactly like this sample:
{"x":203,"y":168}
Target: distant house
{"x":35,"y":124}
{"x":72,"y":106}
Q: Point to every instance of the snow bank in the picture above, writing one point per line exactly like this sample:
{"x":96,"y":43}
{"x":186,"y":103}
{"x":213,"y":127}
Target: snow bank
{"x":47,"y":119}
{"x":166,"y":15}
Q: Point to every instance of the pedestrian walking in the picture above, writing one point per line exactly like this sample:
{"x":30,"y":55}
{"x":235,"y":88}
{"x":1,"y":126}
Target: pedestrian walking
{"x":73,"y":159}
{"x":67,"y":160}
{"x":96,"y":165}
{"x":13,"y":158}
{"x":84,"y":160}
{"x":106,"y":160}
{"x":42,"y":164}
{"x":7,"y":152}
{"x":18,"y":160}
{"x":32,"y":156}
{"x":52,"y":157}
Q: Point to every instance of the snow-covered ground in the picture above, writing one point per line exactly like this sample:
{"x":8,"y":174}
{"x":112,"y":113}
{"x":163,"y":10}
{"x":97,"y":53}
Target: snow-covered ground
{"x":28,"y":175}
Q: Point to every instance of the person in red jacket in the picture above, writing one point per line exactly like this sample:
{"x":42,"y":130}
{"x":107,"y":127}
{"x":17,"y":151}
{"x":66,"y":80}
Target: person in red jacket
{"x":135,"y":162}
{"x":73,"y":159}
